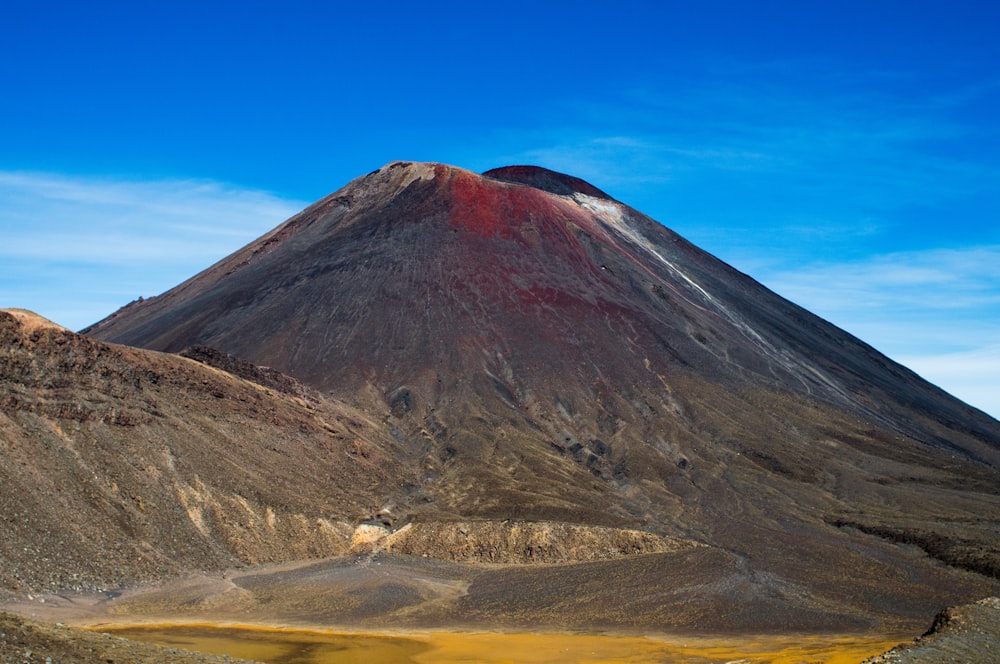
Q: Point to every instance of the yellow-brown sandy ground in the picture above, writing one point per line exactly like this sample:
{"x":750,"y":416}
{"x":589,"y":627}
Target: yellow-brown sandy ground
{"x":279,"y":646}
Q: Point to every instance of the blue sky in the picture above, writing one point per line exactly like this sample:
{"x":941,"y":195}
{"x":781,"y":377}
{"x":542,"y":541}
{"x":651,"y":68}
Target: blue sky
{"x":845,"y":154}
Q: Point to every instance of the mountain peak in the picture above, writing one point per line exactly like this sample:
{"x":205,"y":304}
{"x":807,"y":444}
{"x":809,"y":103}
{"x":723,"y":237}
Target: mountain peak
{"x":538,"y":352}
{"x":546,"y":180}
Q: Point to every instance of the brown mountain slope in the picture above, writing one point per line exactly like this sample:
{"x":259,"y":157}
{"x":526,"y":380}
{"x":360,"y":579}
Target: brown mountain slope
{"x":423,"y":268}
{"x":121,"y":465}
{"x":545,"y":353}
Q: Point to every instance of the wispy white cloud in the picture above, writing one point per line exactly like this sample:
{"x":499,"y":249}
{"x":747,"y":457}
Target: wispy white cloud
{"x":76,"y":248}
{"x":935,"y":311}
{"x":956,"y":282}
{"x":971,"y":375}
{"x":106,"y":221}
{"x":800,"y":139}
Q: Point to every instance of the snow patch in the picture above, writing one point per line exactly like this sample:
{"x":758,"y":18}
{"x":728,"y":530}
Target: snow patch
{"x":612,"y":214}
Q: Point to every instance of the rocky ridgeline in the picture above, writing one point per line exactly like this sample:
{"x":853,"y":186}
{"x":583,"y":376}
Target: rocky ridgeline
{"x":123,"y":466}
{"x":512,"y":542}
{"x":264,"y":376}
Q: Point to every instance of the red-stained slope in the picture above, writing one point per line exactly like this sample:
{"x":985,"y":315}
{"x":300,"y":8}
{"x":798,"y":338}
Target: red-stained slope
{"x":382,"y":278}
{"x":546,"y":352}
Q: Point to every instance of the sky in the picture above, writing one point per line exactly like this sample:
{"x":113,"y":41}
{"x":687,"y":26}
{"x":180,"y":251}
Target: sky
{"x":845,"y":154}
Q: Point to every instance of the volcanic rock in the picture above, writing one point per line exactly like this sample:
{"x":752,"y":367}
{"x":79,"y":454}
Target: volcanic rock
{"x":122,"y":465}
{"x":968,"y":633}
{"x":541,"y":353}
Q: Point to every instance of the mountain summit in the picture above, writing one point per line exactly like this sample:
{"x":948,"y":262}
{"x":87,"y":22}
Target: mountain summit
{"x":545,"y":353}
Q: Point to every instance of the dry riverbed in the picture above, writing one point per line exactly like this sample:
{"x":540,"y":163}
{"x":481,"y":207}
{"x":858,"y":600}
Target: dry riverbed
{"x":27,"y":640}
{"x":372,"y":610}
{"x":319,"y":647}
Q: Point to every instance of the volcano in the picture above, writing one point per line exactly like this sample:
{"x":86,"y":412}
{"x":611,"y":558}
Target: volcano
{"x":545,"y":354}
